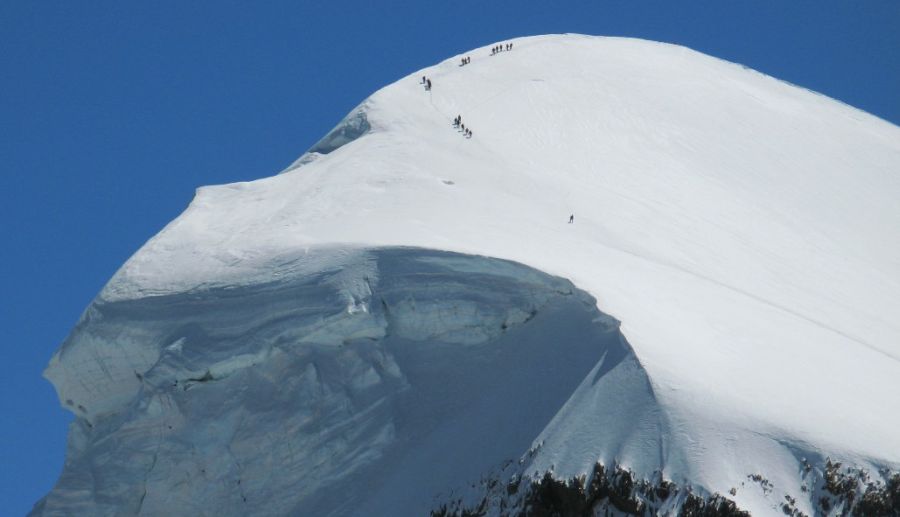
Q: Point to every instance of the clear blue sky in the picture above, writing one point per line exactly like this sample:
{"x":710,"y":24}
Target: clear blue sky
{"x":114,"y":112}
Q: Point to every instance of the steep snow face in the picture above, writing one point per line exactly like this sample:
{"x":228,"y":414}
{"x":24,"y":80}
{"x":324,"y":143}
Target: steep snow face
{"x":741,"y":228}
{"x":334,"y":393}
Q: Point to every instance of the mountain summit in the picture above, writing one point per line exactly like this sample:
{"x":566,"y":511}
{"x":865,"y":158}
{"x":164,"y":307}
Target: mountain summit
{"x":642,"y":280}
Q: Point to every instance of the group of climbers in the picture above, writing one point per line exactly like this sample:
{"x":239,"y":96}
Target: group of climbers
{"x":457,"y":123}
{"x":501,"y":48}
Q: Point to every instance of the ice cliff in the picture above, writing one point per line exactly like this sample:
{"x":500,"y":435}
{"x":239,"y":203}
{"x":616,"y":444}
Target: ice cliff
{"x":341,"y":389}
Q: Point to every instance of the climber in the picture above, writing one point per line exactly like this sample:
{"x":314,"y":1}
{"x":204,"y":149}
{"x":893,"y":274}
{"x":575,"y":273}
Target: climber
{"x":571,"y":218}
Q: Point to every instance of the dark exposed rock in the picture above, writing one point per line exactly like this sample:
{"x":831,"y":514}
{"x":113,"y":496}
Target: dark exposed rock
{"x":880,"y":500}
{"x":715,"y":506}
{"x":607,"y":490}
{"x":852,"y":492}
{"x":831,"y":488}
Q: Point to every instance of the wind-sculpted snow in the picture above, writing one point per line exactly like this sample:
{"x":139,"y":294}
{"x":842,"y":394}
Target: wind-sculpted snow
{"x":366,"y":389}
{"x":349,"y":129}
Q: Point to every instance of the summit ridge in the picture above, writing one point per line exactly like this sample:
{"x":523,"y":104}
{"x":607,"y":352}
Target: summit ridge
{"x":723,"y":304}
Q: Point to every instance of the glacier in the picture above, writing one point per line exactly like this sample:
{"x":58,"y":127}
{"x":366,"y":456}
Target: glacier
{"x":403,"y":322}
{"x":274,"y":398}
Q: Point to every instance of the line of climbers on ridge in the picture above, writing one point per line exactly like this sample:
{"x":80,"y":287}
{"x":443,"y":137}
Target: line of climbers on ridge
{"x":501,"y":48}
{"x":457,"y":123}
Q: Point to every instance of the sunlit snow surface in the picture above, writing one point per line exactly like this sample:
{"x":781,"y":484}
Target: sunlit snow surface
{"x":743,"y":230}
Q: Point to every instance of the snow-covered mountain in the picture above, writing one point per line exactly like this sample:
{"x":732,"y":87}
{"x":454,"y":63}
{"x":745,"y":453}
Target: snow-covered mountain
{"x":404,"y":321}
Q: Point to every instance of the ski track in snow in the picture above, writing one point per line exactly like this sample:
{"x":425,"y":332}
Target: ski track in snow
{"x":759,"y":299}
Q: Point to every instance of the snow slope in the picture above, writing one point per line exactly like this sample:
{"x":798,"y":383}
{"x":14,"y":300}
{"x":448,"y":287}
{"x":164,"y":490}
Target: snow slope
{"x":742,"y":229}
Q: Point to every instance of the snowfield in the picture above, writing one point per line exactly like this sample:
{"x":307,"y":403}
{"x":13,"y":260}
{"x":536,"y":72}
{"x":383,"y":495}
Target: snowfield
{"x":403,"y":311}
